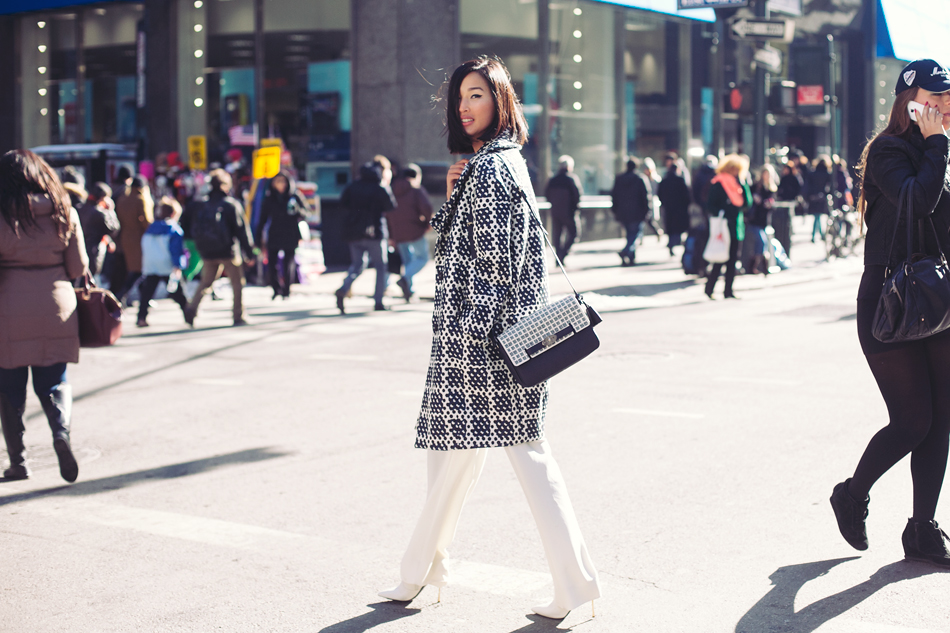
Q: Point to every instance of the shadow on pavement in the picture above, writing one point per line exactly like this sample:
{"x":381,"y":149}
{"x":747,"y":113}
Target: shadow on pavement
{"x":382,"y":612}
{"x":776,"y":610}
{"x":644,"y":290}
{"x":540,"y":624}
{"x":172,"y":471}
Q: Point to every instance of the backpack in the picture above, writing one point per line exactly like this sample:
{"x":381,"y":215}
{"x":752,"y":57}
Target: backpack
{"x":211,"y":231}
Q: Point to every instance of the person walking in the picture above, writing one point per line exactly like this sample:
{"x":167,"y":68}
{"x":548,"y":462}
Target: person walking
{"x":135,"y":213}
{"x":364,"y":229}
{"x":675,"y":197}
{"x":282,"y":211}
{"x":100,"y":226}
{"x":631,"y":196}
{"x":162,"y":257}
{"x":729,"y":193}
{"x":820,"y":186}
{"x":490,"y":271}
{"x":564,"y":191}
{"x":41,"y":251}
{"x":224,"y":241}
{"x":114,"y":268}
{"x":911,"y":375}
{"x":763,"y":200}
{"x":408,"y":224}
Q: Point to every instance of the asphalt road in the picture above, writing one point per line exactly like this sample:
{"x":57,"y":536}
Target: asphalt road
{"x":263,"y":478}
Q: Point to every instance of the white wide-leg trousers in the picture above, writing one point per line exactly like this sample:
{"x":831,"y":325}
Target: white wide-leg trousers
{"x":452,"y":477}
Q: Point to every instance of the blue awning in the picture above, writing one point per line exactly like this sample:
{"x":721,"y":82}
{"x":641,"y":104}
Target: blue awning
{"x":912,"y":29}
{"x":24,"y":6}
{"x":666,"y":6}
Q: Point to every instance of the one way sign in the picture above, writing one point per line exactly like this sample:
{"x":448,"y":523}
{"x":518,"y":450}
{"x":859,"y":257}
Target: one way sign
{"x":760,"y":29}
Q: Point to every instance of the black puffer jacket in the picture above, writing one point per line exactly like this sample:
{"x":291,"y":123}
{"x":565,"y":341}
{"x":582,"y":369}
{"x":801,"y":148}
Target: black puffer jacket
{"x":283,"y":211}
{"x":630,"y":200}
{"x":366,"y":200}
{"x":891,"y":161}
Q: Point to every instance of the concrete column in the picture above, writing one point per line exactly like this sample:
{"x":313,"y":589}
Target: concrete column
{"x":161,"y":90}
{"x":401,"y":52}
{"x":9,"y":95}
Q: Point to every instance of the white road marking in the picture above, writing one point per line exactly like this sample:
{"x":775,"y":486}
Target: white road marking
{"x":408,"y":394}
{"x":662,"y":414}
{"x":761,"y":381}
{"x":356,"y":358}
{"x":847,"y":625}
{"x":218,"y":382}
{"x":170,"y":524}
{"x":481,"y":577}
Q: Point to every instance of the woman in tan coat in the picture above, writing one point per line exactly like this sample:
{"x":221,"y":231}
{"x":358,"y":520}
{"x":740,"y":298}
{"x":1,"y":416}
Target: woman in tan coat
{"x":135,"y":213}
{"x":41,"y":251}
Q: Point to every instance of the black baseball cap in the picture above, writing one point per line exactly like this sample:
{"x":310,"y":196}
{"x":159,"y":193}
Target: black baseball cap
{"x":926,"y":74}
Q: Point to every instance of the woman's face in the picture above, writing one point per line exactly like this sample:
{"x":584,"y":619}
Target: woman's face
{"x":937,"y":100}
{"x":280,"y":184}
{"x":476,"y":105}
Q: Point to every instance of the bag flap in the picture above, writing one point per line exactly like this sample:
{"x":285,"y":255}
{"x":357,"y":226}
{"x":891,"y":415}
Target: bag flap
{"x":543,"y":329}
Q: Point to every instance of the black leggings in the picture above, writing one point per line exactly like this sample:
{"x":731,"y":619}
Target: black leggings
{"x":280,"y":280}
{"x":913,"y":380}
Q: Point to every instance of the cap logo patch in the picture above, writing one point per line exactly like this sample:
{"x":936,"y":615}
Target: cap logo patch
{"x":909,"y":77}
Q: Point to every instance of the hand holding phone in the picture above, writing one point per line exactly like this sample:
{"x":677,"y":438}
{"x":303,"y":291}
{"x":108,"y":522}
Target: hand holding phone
{"x":914,"y":108}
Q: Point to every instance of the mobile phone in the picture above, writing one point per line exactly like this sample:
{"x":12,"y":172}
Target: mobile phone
{"x":913,"y":108}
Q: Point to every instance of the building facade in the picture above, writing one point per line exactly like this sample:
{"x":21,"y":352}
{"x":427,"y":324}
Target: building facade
{"x":342,"y":80}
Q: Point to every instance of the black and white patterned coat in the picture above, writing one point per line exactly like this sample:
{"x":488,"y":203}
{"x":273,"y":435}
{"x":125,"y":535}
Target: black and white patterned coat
{"x":490,"y":272}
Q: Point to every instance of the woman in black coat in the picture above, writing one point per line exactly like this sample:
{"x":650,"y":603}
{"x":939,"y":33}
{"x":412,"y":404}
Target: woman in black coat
{"x":675,"y":197}
{"x":912,"y":376}
{"x":282,"y":210}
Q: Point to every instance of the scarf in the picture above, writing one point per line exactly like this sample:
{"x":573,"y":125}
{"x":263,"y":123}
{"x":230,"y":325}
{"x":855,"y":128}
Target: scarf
{"x":732,"y":188}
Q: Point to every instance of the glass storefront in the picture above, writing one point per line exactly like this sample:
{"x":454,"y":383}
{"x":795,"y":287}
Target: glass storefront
{"x":55,"y":79}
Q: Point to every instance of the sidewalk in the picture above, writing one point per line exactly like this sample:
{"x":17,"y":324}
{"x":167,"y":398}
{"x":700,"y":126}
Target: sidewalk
{"x":594,"y":267}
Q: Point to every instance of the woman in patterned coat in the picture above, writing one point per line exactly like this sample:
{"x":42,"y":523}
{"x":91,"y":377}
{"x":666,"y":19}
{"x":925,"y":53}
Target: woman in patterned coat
{"x":490,"y":272}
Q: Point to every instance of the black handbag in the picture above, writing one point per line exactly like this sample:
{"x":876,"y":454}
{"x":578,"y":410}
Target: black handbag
{"x":915,"y":300}
{"x":550,"y":339}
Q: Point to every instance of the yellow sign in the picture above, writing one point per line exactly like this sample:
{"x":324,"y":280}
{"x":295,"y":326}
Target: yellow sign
{"x":266,"y":162}
{"x":198,"y":152}
{"x":271,"y":142}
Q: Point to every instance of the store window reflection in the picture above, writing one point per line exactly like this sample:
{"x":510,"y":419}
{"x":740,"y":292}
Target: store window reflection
{"x":307,"y":95}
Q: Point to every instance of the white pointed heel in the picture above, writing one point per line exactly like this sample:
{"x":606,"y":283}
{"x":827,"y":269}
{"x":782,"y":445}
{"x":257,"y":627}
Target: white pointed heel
{"x":551,"y":611}
{"x":404,"y":592}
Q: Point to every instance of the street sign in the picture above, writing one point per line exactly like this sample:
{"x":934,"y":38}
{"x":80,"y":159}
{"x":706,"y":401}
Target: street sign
{"x":761,"y":29}
{"x":266,"y":162}
{"x":769,"y":58}
{"x":811,"y":95}
{"x":272,"y":142}
{"x":198,"y":152}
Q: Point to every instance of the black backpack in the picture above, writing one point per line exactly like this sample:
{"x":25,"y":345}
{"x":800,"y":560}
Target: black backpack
{"x":211,"y":230}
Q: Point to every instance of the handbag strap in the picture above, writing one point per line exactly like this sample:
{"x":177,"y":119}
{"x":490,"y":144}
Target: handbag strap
{"x":906,"y":203}
{"x":544,"y":232}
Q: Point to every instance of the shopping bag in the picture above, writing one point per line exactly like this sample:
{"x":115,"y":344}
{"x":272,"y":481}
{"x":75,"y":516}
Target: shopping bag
{"x":717,"y":248}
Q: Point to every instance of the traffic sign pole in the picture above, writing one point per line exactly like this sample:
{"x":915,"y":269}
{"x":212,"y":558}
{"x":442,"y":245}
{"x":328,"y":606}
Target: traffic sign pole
{"x":759,"y":129}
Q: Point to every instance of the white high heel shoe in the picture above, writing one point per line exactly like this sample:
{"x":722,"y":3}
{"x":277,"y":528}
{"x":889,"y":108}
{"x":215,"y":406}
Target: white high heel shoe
{"x":555,"y":612}
{"x":404,"y":592}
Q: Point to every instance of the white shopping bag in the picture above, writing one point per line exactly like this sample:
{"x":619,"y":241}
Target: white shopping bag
{"x":717,"y":248}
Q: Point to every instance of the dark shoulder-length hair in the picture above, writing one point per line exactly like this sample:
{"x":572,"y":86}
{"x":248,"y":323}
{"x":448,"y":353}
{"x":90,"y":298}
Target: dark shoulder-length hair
{"x":898,"y":124}
{"x":22,"y":174}
{"x":509,"y":119}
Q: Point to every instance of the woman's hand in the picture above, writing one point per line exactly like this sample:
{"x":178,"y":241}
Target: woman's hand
{"x":930,"y":121}
{"x":453,"y":176}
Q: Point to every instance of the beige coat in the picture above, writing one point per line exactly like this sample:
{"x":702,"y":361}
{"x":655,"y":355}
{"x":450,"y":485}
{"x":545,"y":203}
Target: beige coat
{"x":135,"y":216}
{"x":38,"y":322}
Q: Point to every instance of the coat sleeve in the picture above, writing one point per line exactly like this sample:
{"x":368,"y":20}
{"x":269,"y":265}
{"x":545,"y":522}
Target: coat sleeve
{"x":75,"y":258}
{"x":262,"y":220}
{"x":490,"y":277}
{"x":890,"y":166}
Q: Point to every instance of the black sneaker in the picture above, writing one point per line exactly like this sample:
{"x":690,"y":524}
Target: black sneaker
{"x":925,"y":541}
{"x":339,"y":301}
{"x":851,"y":514}
{"x":403,"y":284}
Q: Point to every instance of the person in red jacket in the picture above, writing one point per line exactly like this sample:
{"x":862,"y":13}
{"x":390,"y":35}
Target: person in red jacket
{"x":408,"y":224}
